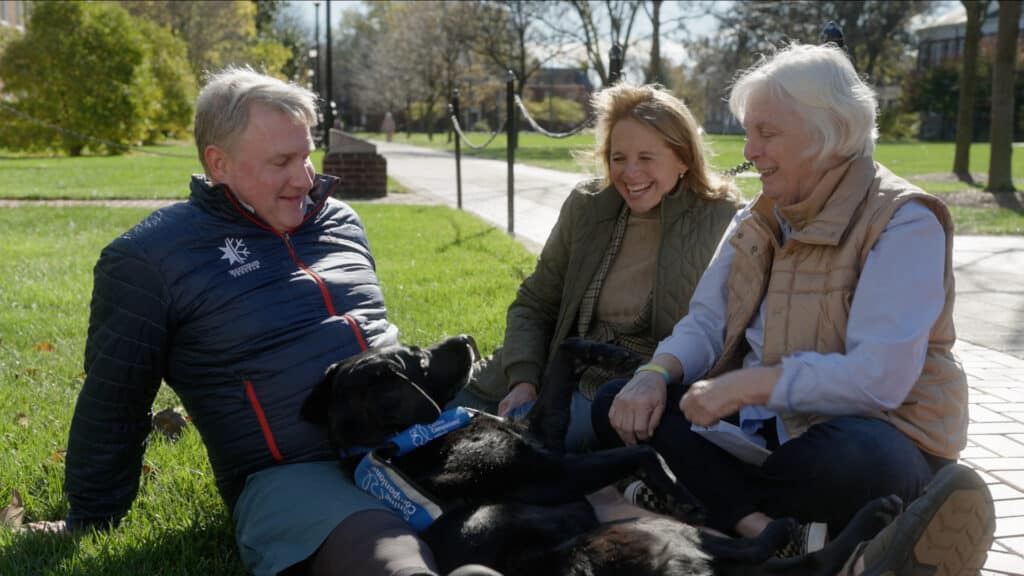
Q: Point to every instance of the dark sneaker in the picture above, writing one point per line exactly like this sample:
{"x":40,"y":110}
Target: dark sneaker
{"x":639,"y":494}
{"x":805,"y":538}
{"x":947,"y":531}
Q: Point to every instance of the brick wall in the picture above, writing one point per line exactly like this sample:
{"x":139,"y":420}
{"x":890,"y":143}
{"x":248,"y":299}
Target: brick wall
{"x":362,"y":174}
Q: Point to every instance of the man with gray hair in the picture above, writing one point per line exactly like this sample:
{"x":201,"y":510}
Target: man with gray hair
{"x":239,"y":299}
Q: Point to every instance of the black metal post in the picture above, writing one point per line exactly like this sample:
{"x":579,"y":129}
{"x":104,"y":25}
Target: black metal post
{"x":329,"y":117}
{"x":614,"y":64}
{"x":510,"y":123}
{"x":832,"y":33}
{"x":454,"y":111}
{"x":316,"y":62}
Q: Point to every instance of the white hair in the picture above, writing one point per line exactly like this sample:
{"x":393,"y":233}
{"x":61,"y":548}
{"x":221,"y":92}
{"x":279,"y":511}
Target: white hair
{"x":222,"y":107}
{"x":839,"y":108}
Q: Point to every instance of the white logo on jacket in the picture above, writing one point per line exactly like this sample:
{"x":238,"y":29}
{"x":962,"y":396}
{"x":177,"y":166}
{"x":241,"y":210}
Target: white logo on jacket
{"x":235,"y":252}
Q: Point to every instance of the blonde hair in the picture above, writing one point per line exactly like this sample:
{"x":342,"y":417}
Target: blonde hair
{"x":222,"y":108}
{"x":656,"y":108}
{"x":840,"y":109}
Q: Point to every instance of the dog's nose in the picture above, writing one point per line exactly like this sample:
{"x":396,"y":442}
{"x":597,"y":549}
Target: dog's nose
{"x":471,"y":342}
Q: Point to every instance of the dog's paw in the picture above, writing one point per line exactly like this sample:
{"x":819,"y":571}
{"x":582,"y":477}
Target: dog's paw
{"x":886,"y":509}
{"x":875,"y":515}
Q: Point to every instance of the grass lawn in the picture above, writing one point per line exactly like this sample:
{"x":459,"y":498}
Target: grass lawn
{"x":178,"y":524}
{"x":134,"y":176}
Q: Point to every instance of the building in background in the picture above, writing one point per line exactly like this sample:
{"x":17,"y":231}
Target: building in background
{"x":941,"y":42}
{"x":12,"y":13}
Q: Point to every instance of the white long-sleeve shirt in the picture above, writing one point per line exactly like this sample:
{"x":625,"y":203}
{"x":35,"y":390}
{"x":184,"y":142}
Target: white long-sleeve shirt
{"x":899,"y":295}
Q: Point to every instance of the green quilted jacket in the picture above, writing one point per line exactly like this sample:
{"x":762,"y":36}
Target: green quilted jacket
{"x":546,"y":305}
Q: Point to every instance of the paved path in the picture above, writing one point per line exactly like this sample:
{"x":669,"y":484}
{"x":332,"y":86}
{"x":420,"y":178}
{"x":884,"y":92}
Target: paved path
{"x":989,"y":314}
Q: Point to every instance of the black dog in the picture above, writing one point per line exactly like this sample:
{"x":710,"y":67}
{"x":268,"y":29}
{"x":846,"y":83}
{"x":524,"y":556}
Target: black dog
{"x":513,"y":501}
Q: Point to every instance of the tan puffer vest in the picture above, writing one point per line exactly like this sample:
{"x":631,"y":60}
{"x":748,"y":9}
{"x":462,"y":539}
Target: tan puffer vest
{"x":808,"y":285}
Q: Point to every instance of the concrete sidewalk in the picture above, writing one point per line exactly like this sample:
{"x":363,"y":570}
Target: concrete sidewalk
{"x":989,"y":313}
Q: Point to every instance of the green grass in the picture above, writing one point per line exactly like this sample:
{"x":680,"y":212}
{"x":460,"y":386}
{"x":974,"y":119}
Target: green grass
{"x":460,"y":277}
{"x":133,"y":176}
{"x":989,"y":221}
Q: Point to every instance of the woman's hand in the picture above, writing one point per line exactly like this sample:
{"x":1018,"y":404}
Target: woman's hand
{"x":520,"y":394}
{"x":638,"y":407}
{"x":708,"y":401}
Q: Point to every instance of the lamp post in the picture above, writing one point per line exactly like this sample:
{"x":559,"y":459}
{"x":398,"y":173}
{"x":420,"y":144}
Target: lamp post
{"x":614,"y":64}
{"x":314,"y":54}
{"x":329,"y":117}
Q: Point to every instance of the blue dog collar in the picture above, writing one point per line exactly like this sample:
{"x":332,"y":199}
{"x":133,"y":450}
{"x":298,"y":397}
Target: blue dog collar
{"x":376,"y":475}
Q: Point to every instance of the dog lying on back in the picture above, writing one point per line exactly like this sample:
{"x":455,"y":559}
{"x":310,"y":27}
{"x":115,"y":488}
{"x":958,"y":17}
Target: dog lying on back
{"x":515,"y":502}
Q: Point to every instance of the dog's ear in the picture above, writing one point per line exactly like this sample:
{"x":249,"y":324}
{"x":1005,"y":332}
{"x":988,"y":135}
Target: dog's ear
{"x":314,"y":409}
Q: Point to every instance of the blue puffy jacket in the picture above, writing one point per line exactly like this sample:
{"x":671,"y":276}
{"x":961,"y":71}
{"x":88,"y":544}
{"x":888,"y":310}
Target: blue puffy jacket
{"x":239,"y":319}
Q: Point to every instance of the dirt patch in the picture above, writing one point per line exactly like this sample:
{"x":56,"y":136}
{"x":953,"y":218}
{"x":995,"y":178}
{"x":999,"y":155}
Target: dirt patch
{"x":981,"y":199}
{"x":973,"y":195}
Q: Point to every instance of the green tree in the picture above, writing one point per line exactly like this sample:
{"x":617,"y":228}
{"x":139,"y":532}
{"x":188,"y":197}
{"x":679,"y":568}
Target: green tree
{"x":166,"y":85}
{"x":934,"y":92}
{"x":79,"y":77}
{"x":556,"y":114}
{"x":7,"y":34}
{"x":219,"y":33}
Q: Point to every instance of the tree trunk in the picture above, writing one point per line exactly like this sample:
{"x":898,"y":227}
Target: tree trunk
{"x":968,"y":80}
{"x":654,"y":71}
{"x":999,"y":176}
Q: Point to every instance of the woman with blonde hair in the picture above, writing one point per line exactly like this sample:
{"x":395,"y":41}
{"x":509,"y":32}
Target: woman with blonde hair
{"x":624,"y":256}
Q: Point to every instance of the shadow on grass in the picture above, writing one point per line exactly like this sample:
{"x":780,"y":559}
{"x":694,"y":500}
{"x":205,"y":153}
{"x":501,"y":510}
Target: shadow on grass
{"x":1009,"y":200}
{"x":463,"y":241}
{"x":208,"y":550}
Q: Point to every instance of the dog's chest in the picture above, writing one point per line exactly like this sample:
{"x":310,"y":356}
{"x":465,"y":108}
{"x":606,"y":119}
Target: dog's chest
{"x":484,"y":457}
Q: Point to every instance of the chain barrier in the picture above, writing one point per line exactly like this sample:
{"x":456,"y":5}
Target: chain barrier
{"x":739,"y":168}
{"x":557,"y":135}
{"x":63,"y":130}
{"x":462,"y":135}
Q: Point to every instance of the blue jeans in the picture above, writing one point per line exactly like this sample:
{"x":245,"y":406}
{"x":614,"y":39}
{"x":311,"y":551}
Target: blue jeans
{"x":580,"y":436}
{"x":826,"y":474}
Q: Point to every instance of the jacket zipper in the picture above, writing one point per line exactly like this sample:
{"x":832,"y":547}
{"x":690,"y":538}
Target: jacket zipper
{"x":264,"y":425}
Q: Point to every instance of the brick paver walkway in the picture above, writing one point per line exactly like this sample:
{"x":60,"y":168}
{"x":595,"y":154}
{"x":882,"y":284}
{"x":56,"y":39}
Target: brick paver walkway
{"x":995,"y":446}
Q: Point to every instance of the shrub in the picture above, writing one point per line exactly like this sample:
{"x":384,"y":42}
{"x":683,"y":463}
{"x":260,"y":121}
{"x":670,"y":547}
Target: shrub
{"x":94,"y":71}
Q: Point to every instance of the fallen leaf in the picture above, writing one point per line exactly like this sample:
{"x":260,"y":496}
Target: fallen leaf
{"x":12,"y":515}
{"x":45,"y":347}
{"x":169,"y":422}
{"x":57,"y":456}
{"x":21,"y":419}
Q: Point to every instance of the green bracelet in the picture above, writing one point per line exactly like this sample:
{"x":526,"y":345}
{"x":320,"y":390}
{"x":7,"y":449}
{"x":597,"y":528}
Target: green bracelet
{"x":651,"y":367}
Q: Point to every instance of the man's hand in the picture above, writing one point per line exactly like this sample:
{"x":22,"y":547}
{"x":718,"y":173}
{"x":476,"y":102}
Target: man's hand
{"x":520,"y":394}
{"x":58,"y":527}
{"x":638,"y":407}
{"x":708,"y":401}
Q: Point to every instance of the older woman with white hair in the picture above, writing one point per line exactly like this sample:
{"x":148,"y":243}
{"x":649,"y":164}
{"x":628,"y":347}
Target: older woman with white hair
{"x":823,"y":330}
